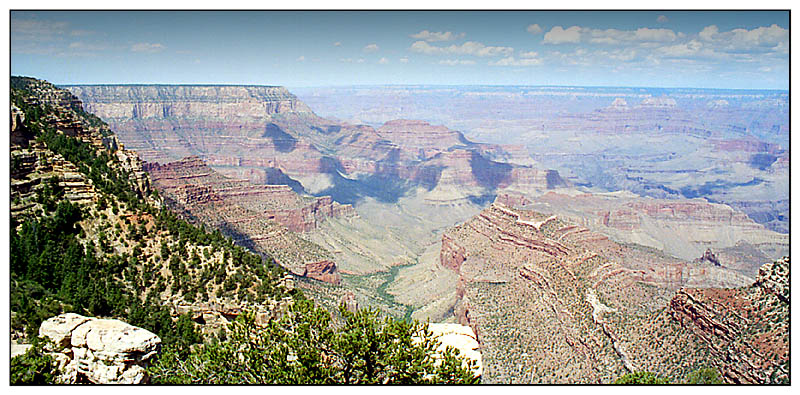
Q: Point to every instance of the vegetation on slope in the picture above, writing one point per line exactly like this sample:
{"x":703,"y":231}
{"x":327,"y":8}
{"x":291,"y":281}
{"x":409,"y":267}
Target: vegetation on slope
{"x":120,"y":256}
{"x":304,"y":347}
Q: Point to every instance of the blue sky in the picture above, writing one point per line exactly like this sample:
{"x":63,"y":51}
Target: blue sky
{"x":748,"y":50}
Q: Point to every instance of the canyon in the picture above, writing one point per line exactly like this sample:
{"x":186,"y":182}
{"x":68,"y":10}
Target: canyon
{"x":729,"y":146}
{"x":575,"y":278}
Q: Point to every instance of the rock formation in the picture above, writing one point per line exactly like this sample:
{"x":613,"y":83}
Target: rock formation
{"x":245,"y":129}
{"x":682,"y":228}
{"x":460,"y":337}
{"x":745,"y":329}
{"x":261,"y":217}
{"x":195,"y":180}
{"x":102,"y":351}
{"x":553,"y":301}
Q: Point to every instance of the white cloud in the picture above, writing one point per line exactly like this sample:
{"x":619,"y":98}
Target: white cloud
{"x":371,"y":47}
{"x":82,"y":46}
{"x":456,"y":62}
{"x":437,"y":36}
{"x":530,"y":54}
{"x":301,"y":58}
{"x":360,"y":60}
{"x":34,"y":29}
{"x":337,"y":44}
{"x":761,"y":39}
{"x":662,"y":19}
{"x":34,"y":36}
{"x":623,"y":55}
{"x":641,"y":35}
{"x":708,"y":32}
{"x":762,"y":44}
{"x":510,"y":61}
{"x":534,"y":29}
{"x":404,"y":60}
{"x":81,"y":33}
{"x":468,"y":48}
{"x":559,"y":35}
{"x":691,"y":49}
{"x":576,"y":34}
{"x":654,"y":35}
{"x":383,"y":61}
{"x":147,"y":47}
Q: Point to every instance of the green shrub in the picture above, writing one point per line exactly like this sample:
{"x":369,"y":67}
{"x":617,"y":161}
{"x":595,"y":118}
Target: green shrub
{"x":704,"y":376}
{"x":304,"y":347}
{"x":642,"y":378}
{"x":34,"y":367}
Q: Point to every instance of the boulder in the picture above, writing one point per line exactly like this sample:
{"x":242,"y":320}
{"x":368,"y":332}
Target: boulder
{"x":460,"y":337}
{"x":59,"y":329}
{"x":103,"y":351}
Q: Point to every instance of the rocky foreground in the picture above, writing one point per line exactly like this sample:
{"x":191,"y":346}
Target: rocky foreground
{"x":100,"y":351}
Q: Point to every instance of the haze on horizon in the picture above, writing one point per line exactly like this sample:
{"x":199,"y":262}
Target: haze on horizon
{"x":698,"y":49}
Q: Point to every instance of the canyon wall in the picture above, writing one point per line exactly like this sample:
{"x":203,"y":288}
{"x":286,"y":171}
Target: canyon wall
{"x":260,"y":130}
{"x":262,"y":217}
{"x":581,"y":304}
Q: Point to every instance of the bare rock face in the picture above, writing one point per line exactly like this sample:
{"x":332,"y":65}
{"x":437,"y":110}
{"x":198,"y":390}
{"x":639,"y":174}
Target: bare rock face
{"x":420,"y":135}
{"x":452,"y":254}
{"x":460,"y":337}
{"x":194,"y":182}
{"x":158,"y":101}
{"x":102,"y":351}
{"x":264,"y":218}
{"x":59,"y":329}
{"x":323,"y":271}
{"x":746,"y":329}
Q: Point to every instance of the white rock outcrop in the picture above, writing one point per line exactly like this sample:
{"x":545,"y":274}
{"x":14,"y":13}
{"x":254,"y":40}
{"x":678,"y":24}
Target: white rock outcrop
{"x":460,"y":337}
{"x":102,"y":351}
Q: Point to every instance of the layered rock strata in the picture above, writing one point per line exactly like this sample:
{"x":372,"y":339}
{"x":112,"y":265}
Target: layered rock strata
{"x":682,"y":228}
{"x":240,"y":129}
{"x":552,"y":301}
{"x":262,"y":217}
{"x":746,"y":329}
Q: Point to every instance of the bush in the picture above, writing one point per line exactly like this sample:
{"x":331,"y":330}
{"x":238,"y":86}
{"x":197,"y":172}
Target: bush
{"x":704,"y":376}
{"x":303,"y":347}
{"x":34,"y":367}
{"x":642,"y":378}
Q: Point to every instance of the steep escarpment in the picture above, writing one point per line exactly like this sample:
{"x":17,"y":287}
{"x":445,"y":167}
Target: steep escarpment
{"x":746,"y":329}
{"x":261,"y":217}
{"x":142,"y":102}
{"x":247,"y":130}
{"x":683,"y":228}
{"x":90,"y":235}
{"x":565,"y":288}
{"x":277,"y":202}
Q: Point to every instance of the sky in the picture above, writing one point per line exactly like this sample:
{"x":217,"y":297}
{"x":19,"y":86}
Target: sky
{"x":700,"y":49}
